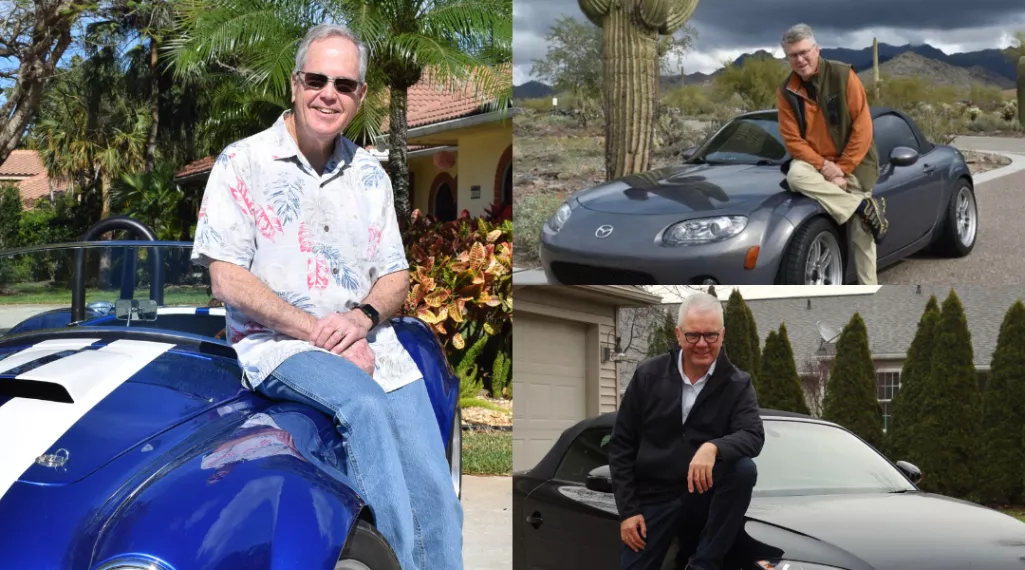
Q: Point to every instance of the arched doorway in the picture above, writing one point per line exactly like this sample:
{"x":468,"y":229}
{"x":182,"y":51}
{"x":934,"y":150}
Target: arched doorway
{"x":444,"y":203}
{"x":503,"y":178}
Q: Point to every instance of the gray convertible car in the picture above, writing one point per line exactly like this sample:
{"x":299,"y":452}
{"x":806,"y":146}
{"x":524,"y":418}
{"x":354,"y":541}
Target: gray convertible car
{"x":726,"y":215}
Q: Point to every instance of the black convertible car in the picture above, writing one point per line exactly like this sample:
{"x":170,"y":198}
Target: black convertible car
{"x":825,"y":500}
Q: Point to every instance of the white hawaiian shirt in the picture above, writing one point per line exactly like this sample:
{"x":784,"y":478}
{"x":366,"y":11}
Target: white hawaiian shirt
{"x":319,"y":242}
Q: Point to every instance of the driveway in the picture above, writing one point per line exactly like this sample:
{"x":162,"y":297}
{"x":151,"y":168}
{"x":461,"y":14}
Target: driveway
{"x":487,"y":523}
{"x":996,"y":259}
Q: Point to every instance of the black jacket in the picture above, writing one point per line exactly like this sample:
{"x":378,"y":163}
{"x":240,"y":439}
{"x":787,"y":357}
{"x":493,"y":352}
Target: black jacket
{"x":651,"y":448}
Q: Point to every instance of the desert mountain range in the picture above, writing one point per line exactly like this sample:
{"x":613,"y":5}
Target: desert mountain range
{"x":989,"y":67}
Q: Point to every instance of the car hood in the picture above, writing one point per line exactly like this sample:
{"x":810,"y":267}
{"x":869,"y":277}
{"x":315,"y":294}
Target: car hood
{"x":898,"y":531}
{"x":123,"y":394}
{"x":729,"y":188}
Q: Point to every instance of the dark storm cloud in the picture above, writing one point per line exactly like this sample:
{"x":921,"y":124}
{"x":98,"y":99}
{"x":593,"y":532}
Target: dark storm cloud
{"x":764,"y":21}
{"x":725,"y":25}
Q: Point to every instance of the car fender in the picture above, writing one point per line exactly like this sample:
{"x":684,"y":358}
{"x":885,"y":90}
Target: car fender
{"x":764,"y":541}
{"x":266,"y":495}
{"x":440,"y":379}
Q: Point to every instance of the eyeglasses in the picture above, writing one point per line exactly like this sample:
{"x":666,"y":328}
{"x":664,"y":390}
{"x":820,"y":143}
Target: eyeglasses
{"x":317,"y":81}
{"x":693,"y":337}
{"x":803,"y":54}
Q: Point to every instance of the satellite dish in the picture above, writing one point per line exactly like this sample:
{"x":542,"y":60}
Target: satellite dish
{"x":828,"y":333}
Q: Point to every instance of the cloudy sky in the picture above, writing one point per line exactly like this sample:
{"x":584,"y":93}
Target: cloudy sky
{"x":950,"y":25}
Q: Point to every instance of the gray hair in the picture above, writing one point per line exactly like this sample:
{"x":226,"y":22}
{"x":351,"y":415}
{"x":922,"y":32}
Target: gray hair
{"x":700,"y":301}
{"x":324,"y":31}
{"x":797,"y":33}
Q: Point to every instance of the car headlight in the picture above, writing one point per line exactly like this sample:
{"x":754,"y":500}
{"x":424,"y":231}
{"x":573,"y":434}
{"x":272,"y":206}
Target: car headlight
{"x":703,"y":230}
{"x":791,"y":565}
{"x":559,"y":218}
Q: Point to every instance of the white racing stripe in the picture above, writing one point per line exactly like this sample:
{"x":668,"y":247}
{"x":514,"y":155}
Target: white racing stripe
{"x":45,"y":348}
{"x":28,"y":428}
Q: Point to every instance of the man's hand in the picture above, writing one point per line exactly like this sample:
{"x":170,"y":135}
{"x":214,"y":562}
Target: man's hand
{"x":359,"y":354}
{"x":830,"y":170}
{"x":340,"y":330}
{"x":633,"y":532}
{"x":700,"y":475}
{"x":840,"y":181}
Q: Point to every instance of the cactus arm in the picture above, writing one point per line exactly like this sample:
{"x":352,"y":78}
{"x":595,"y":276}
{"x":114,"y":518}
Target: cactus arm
{"x":679,"y":12}
{"x":595,"y":10}
{"x":652,"y":13}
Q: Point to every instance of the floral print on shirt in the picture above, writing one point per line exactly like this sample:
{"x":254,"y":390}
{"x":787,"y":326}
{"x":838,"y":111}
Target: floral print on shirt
{"x":319,"y":242}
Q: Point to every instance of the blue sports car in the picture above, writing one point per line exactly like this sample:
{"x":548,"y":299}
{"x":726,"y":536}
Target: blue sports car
{"x":129,"y":443}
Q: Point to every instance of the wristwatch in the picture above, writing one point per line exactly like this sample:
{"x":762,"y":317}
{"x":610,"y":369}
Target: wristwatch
{"x":371,"y":313}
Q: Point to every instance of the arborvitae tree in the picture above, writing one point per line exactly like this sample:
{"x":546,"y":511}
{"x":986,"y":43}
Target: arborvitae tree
{"x":946,"y":440}
{"x":662,"y":337}
{"x":756,"y":345}
{"x":780,"y":383}
{"x":905,"y":412}
{"x":851,"y":389}
{"x":738,"y":336}
{"x":1002,"y":450}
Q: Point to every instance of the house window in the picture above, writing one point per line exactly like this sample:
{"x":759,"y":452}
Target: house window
{"x":887,"y":384}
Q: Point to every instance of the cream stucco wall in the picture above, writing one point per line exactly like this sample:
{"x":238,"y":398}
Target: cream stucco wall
{"x":478,"y":159}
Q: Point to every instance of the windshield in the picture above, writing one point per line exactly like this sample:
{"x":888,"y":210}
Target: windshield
{"x":802,"y":458}
{"x":41,"y":280}
{"x":745,"y":141}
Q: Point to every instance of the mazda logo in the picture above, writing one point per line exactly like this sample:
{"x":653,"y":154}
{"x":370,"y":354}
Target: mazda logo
{"x":603,"y":232}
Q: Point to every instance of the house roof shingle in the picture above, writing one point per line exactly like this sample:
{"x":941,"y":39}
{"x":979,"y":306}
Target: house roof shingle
{"x":891,"y":316}
{"x":22,"y":163}
{"x":38,"y":187}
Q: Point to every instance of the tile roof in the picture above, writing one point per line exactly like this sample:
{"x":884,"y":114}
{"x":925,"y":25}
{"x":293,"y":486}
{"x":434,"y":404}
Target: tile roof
{"x":432,"y":102}
{"x":196,"y":167}
{"x":22,"y":163}
{"x":38,"y":186}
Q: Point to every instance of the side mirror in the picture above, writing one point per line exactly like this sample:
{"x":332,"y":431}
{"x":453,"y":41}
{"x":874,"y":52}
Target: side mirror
{"x":600,"y":479}
{"x":913,"y":473}
{"x":903,"y":156}
{"x":135,"y":310}
{"x":688,"y":152}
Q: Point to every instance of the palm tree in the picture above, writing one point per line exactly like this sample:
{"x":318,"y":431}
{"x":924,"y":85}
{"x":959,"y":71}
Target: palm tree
{"x":455,"y":42}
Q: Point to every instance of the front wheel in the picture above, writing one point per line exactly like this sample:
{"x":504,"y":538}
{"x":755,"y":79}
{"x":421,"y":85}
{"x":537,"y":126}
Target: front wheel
{"x":367,"y":549}
{"x":813,"y":257}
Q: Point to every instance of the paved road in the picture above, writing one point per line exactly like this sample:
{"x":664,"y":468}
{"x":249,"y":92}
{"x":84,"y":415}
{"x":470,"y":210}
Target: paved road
{"x":487,"y":523}
{"x":997,"y":258}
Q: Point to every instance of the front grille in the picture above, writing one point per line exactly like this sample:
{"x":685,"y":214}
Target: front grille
{"x":579,"y":274}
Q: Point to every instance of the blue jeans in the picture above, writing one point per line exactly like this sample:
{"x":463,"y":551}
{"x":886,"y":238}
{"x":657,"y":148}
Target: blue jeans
{"x":393,"y":453}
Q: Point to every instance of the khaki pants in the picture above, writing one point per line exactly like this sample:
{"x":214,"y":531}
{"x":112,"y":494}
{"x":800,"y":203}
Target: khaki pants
{"x":841,"y":205}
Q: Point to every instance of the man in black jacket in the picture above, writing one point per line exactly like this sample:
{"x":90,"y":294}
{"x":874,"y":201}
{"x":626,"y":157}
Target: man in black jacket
{"x":681,"y":451}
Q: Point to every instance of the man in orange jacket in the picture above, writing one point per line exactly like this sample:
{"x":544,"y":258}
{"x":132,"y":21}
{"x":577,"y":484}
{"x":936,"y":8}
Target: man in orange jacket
{"x":825,"y":121}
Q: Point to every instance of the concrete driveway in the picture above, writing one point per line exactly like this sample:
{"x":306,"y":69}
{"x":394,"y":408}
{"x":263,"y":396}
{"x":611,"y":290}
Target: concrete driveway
{"x":487,"y":523}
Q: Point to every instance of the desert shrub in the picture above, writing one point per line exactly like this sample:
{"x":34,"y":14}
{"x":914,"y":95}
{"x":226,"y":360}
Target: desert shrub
{"x":940,"y":124}
{"x":987,"y":123}
{"x":755,"y":81}
{"x":904,"y":93}
{"x":1009,"y":110}
{"x":985,"y":97}
{"x":691,"y":99}
{"x":531,"y":212}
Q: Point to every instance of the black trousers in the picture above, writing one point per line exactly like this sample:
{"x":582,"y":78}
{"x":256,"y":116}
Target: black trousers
{"x":705,"y":524}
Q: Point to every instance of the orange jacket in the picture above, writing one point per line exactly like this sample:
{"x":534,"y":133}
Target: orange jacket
{"x":819,"y":145}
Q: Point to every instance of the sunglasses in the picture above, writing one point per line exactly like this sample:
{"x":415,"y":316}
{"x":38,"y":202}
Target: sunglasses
{"x":317,"y":81}
{"x":693,"y":337}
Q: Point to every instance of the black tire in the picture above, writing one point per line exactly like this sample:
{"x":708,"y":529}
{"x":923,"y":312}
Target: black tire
{"x":796,"y":257}
{"x":367,"y":549}
{"x":949,"y":244}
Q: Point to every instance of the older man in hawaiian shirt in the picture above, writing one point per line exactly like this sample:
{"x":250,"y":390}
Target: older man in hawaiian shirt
{"x":300,"y":234}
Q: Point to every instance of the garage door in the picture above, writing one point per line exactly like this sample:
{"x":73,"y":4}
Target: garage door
{"x":549,"y":363}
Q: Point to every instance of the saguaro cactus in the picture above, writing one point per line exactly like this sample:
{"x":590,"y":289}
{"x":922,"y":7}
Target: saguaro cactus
{"x":630,"y":32}
{"x":875,"y":68}
{"x":1021,"y":90}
